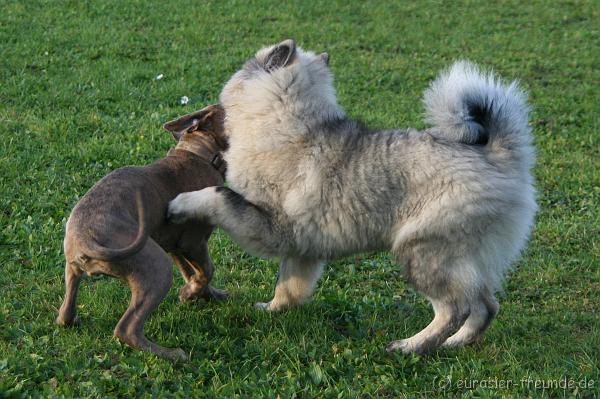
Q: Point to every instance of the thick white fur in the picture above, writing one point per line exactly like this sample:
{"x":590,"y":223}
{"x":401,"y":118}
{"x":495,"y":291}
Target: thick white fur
{"x":445,"y":108}
{"x":454,"y":203}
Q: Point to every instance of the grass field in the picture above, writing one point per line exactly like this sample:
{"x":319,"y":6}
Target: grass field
{"x":79,"y":98}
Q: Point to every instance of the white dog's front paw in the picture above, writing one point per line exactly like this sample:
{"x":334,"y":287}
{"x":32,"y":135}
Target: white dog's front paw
{"x":267,"y":306}
{"x":271,"y":306}
{"x":183,"y":208}
{"x":262,"y":305}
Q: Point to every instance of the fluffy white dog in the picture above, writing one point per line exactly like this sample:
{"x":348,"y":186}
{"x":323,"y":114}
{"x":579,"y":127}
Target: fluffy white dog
{"x":454,"y":203}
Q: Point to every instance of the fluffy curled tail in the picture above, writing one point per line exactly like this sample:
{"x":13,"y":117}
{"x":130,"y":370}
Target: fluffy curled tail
{"x":473,"y":107}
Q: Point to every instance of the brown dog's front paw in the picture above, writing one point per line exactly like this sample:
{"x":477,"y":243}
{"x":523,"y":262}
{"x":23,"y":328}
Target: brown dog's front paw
{"x":191,"y":291}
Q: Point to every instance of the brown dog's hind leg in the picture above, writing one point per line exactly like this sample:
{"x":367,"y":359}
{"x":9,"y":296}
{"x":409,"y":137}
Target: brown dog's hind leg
{"x":150,"y":278}
{"x":67,"y":312}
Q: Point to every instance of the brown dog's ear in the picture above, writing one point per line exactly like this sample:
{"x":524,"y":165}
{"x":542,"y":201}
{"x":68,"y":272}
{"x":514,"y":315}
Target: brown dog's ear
{"x":189,"y":123}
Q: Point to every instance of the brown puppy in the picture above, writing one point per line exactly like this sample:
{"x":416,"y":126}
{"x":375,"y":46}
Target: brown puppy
{"x":129,"y":206}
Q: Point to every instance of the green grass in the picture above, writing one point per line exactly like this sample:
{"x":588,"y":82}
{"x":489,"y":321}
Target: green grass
{"x":78,"y":98}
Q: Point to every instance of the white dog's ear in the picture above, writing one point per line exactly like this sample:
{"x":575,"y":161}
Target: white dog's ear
{"x":190,"y":122}
{"x":281,"y":55}
{"x":324,"y":57}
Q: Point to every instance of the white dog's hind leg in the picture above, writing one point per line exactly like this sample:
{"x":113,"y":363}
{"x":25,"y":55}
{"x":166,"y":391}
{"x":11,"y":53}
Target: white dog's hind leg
{"x":295,"y":283}
{"x":482,"y":313}
{"x":448,"y":318}
{"x":451,"y":279}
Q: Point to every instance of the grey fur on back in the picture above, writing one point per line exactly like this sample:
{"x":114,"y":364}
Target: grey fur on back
{"x":473,"y":107}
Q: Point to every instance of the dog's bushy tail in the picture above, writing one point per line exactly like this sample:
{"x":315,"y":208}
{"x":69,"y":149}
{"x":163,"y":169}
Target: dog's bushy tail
{"x":473,"y":107}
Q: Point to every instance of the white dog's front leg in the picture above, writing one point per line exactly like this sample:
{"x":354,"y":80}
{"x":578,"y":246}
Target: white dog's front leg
{"x":249,"y":225}
{"x":295,"y":283}
{"x":197,"y":205}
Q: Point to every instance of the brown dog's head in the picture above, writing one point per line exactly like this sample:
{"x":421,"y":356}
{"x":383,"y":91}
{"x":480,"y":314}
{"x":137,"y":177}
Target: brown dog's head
{"x":206,"y":122}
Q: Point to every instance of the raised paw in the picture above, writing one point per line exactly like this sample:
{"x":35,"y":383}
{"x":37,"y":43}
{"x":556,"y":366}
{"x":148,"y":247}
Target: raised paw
{"x":181,"y":208}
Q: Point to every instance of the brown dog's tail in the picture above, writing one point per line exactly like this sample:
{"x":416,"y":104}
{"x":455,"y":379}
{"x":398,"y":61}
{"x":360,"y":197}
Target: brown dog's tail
{"x":99,"y":252}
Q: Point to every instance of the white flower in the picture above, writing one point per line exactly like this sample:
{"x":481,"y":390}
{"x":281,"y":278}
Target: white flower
{"x":184,"y":100}
{"x":159,"y":76}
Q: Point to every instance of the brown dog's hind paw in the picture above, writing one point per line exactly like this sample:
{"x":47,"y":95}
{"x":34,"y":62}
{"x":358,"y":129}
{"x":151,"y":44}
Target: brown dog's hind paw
{"x":215,"y":294}
{"x":142,"y":343}
{"x":174,"y":354}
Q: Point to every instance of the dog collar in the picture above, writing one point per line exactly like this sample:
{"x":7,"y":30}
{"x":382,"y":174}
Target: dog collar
{"x":215,"y":160}
{"x":218,"y":163}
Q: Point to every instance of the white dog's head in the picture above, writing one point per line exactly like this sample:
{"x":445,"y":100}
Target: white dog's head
{"x":280,"y":84}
